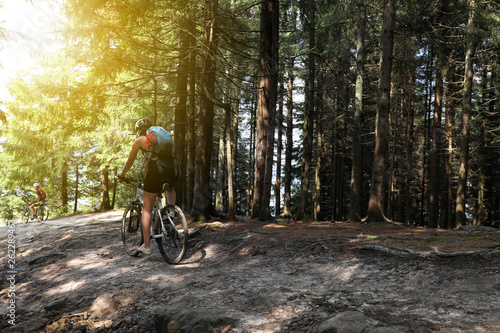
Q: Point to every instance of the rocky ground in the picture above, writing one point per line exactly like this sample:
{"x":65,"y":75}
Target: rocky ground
{"x":72,"y":275}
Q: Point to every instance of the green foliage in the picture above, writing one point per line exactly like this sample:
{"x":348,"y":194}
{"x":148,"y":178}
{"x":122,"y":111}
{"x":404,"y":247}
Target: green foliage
{"x":11,"y":206}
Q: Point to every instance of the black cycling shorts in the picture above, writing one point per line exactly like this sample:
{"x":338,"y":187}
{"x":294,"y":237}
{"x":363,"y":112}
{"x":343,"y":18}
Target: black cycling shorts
{"x":155,"y":180}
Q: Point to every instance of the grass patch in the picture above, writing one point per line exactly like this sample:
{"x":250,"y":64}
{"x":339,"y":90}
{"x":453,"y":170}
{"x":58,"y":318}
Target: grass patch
{"x":384,"y":238}
{"x":434,"y":240}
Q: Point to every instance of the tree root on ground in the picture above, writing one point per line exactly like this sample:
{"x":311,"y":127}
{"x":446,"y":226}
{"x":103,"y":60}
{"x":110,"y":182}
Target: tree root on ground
{"x":425,"y":254}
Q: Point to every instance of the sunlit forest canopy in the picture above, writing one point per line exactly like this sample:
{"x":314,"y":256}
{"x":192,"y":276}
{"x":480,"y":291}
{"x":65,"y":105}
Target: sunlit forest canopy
{"x":304,"y":109}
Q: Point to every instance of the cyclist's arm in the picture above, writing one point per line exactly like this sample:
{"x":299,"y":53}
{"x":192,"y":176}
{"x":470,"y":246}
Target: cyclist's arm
{"x":139,"y":143}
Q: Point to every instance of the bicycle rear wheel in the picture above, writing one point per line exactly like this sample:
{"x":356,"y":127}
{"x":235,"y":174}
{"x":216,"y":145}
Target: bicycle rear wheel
{"x":40,"y":214}
{"x":25,"y":215}
{"x":46,"y":213}
{"x":173,"y":244}
{"x":132,"y":229}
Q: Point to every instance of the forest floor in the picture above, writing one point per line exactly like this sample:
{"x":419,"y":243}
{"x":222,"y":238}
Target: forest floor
{"x":72,"y":275}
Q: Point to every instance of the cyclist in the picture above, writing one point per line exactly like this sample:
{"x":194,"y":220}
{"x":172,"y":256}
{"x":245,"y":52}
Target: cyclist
{"x":155,"y":174}
{"x":41,"y":197}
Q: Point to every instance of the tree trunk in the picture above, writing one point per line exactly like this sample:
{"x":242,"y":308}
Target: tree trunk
{"x":113,"y":201}
{"x":191,"y":124}
{"x":181,"y":107}
{"x":104,"y":205}
{"x":279,"y":147}
{"x":451,"y":90}
{"x":266,"y":107}
{"x":434,"y":186}
{"x":319,"y":148}
{"x":273,"y":8}
{"x":357,"y":154}
{"x":202,"y":201}
{"x":410,"y":104}
{"x":231,"y":152}
{"x":251,"y":156}
{"x":492,"y":160}
{"x":481,"y":186}
{"x":375,"y":212}
{"x":64,"y":188}
{"x":287,"y":206}
{"x":461,"y":217}
{"x":77,"y":179}
{"x":308,"y":112}
{"x":220,"y":174}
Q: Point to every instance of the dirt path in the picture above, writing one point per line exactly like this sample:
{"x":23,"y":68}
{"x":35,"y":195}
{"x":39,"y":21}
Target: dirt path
{"x":72,"y":275}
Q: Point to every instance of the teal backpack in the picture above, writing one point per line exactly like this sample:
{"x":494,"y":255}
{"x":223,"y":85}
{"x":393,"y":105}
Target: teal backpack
{"x":160,"y":141}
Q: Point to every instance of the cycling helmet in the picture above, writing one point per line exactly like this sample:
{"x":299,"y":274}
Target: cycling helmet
{"x":36,"y":185}
{"x":143,"y":124}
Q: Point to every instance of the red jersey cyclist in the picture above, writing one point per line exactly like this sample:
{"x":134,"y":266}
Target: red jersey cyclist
{"x":41,"y":198}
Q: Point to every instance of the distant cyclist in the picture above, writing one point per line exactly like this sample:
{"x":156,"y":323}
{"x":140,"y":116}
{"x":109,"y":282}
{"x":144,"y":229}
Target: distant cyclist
{"x":41,"y":198}
{"x":159,"y":168}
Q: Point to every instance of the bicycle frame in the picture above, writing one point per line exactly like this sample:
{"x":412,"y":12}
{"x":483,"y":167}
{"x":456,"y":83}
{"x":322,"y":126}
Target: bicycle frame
{"x":37,"y":208}
{"x":139,"y":199}
{"x":158,"y":220}
{"x":164,"y":228}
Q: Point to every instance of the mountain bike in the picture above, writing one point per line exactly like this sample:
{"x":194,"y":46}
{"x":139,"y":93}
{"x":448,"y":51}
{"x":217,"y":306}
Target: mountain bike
{"x":168,"y":226}
{"x":41,"y":212}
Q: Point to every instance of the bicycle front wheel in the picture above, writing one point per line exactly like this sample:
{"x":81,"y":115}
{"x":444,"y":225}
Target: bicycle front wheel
{"x":173,"y":244}
{"x":25,"y":216}
{"x":132,"y":229}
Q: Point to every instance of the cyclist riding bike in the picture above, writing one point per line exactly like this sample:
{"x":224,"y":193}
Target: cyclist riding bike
{"x":41,"y":198}
{"x":159,"y":168}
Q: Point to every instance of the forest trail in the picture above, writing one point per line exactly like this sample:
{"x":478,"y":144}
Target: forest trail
{"x":72,"y":275}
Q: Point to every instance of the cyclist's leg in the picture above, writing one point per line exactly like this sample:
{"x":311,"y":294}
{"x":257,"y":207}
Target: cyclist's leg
{"x":170,"y":179}
{"x":149,"y":201}
{"x":171,"y":195}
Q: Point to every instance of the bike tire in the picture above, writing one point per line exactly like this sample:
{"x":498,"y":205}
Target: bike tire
{"x":46,"y":213}
{"x":25,"y":216}
{"x":173,"y":245}
{"x":40,"y":214}
{"x":131,"y":229}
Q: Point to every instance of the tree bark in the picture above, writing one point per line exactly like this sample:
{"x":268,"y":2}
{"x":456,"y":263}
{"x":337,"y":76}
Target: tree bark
{"x":461,"y":205}
{"x":220,"y":174}
{"x":265,"y":213}
{"x":77,"y":179}
{"x":357,"y":154}
{"x":434,"y":186}
{"x":251,"y":156}
{"x":202,"y":201}
{"x":492,"y":160}
{"x":287,"y":206}
{"x":375,"y":207}
{"x":279,"y":147}
{"x":451,"y":89}
{"x":266,"y":107}
{"x":181,"y":108}
{"x":105,"y":204}
{"x":318,"y":176}
{"x":191,"y":123}
{"x":64,"y":187}
{"x":309,"y":112}
{"x":231,"y":152}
